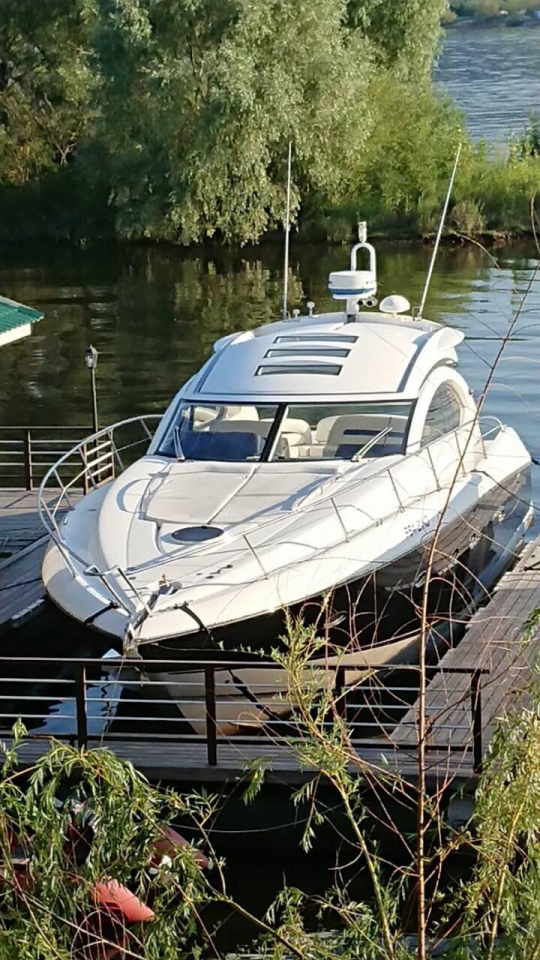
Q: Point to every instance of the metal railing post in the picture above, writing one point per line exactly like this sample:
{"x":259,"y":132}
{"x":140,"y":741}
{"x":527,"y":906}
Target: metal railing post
{"x":476,"y":710}
{"x":339,"y":690}
{"x":27,"y":453}
{"x":80,"y":703}
{"x":211,"y":726}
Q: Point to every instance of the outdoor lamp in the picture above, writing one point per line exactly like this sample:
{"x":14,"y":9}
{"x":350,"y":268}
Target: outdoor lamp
{"x":91,"y":360}
{"x":91,"y":357}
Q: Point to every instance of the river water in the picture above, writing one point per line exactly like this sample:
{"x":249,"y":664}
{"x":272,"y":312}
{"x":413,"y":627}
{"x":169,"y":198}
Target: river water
{"x":493,"y":74}
{"x":153,"y":314}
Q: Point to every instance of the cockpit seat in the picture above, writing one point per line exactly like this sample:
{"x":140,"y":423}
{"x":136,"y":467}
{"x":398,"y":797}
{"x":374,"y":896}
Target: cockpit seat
{"x":348,"y":434}
{"x":259,"y":427}
{"x":217,"y":445}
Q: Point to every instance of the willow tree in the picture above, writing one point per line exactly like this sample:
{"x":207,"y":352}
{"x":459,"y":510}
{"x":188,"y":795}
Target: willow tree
{"x":200,"y":98}
{"x":404,"y":33}
{"x":45,"y":86}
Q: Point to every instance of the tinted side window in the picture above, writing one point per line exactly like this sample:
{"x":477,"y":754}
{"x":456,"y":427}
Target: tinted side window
{"x":444,"y":414}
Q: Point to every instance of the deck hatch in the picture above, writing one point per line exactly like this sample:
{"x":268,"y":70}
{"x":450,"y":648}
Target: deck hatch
{"x":197,"y":534}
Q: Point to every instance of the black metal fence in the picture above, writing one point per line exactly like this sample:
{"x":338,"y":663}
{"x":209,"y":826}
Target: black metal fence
{"x":104,"y":701}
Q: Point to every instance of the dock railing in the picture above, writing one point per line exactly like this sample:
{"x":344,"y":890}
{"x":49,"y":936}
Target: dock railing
{"x":103,"y":702}
{"x":27,"y":453}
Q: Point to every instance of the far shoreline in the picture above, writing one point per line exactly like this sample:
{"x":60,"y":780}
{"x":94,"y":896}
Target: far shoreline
{"x":511,"y":22}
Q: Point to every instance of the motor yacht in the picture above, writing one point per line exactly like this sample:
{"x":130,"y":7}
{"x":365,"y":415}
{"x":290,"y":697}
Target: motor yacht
{"x":303,"y":472}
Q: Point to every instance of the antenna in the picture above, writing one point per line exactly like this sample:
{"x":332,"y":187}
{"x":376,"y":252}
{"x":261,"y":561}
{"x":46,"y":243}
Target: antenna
{"x":284,"y":311}
{"x":439,"y":235}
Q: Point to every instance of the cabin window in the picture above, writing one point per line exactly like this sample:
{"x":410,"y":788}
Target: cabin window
{"x":220,"y":431}
{"x":341,"y":431}
{"x":444,"y":413}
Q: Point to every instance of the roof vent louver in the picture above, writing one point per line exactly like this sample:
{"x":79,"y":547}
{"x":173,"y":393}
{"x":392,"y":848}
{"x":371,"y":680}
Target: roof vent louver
{"x":314,"y":369}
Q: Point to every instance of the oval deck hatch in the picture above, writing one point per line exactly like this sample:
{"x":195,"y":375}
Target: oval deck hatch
{"x":196,"y":534}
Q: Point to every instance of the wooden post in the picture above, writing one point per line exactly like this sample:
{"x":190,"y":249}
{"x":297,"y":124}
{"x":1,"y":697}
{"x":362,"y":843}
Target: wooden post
{"x":27,"y":453}
{"x":476,"y":709}
{"x":80,"y":703}
{"x":211,"y":727}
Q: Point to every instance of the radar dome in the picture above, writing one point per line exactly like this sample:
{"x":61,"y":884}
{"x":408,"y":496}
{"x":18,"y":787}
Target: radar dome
{"x":394,"y":304}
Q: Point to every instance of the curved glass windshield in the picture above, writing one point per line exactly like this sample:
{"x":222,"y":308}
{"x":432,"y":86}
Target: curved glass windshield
{"x":342,"y":431}
{"x":286,"y":432}
{"x":219,"y":431}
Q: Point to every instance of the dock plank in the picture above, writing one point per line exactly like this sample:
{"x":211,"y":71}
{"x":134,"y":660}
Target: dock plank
{"x":21,"y":585}
{"x":23,"y":542}
{"x":20,"y":525}
{"x":493,"y":642}
{"x":187,"y":762}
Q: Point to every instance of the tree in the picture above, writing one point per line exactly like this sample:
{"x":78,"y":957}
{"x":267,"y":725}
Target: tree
{"x":200,"y":98}
{"x":405,"y":33}
{"x":45,"y":86}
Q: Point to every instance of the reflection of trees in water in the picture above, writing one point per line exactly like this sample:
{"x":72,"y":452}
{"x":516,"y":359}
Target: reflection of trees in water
{"x":153,"y":313}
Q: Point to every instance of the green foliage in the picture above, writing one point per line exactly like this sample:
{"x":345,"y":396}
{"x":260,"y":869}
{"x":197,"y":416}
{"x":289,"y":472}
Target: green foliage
{"x":45,"y":913}
{"x":468,"y":218}
{"x":500,"y":902}
{"x":404,"y":33}
{"x":199,"y":103}
{"x":45,"y":87}
{"x":400,"y":179}
{"x":528,"y":145}
{"x":171,"y":121}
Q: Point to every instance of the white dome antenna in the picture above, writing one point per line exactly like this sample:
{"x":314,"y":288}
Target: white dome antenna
{"x":394,"y":304}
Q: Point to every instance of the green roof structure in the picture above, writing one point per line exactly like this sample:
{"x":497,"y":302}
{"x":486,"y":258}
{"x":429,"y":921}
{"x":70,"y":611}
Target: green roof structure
{"x":16,"y":320}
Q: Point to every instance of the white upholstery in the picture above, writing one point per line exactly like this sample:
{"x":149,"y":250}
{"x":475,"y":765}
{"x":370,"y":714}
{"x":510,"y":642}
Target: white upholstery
{"x":203,"y":415}
{"x":359,"y":428}
{"x":260,"y":427}
{"x":293,"y":427}
{"x":240,"y":413}
{"x":323,"y":429}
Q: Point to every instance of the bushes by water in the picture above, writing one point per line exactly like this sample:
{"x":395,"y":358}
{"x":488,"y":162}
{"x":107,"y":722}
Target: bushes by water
{"x":402,"y":176}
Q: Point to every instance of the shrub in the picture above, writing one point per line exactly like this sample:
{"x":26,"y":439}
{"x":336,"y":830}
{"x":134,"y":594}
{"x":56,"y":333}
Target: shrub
{"x":468,"y":217}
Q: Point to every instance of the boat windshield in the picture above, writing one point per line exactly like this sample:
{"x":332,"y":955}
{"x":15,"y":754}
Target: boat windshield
{"x":283,"y":432}
{"x":219,"y":431}
{"x":342,"y":431}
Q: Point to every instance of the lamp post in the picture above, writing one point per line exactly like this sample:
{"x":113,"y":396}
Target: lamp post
{"x":91,"y":361}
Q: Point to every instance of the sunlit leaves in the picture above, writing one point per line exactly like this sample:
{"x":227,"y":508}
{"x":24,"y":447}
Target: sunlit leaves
{"x":216,"y":91}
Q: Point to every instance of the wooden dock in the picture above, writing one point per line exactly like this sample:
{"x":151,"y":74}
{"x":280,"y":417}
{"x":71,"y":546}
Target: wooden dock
{"x":476,"y":682}
{"x":503,"y":640}
{"x":22,"y":547}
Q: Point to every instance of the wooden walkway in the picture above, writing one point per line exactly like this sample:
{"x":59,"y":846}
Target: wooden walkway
{"x":19,"y":521}
{"x":502,"y":640}
{"x":493,"y":643}
{"x":22,"y":547}
{"x":187,"y":762}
